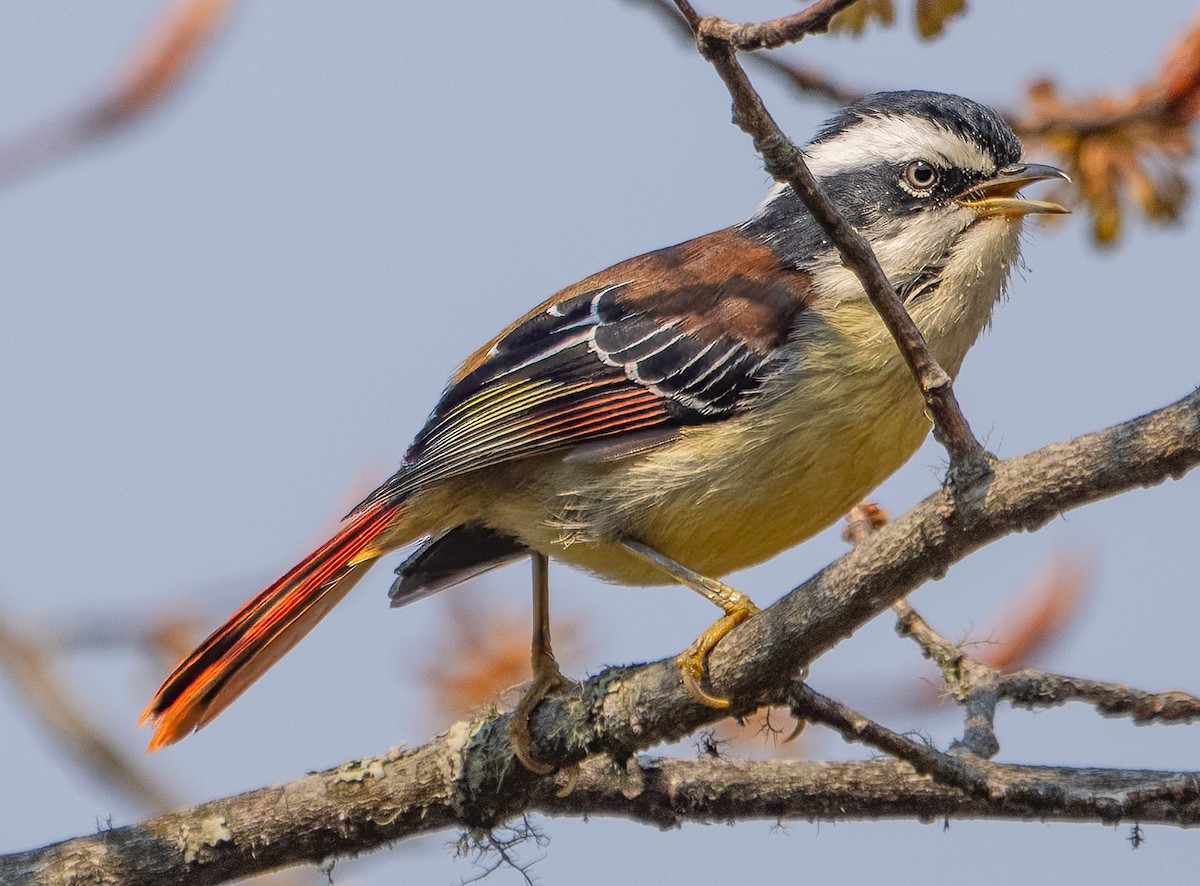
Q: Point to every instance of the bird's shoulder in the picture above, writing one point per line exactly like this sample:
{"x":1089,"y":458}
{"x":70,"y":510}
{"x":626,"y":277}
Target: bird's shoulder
{"x":720,"y":283}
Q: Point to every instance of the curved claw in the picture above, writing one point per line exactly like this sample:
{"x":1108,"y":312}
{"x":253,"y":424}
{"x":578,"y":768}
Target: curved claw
{"x":547,"y":678}
{"x":795,"y":733}
{"x":518,"y":734}
{"x":738,"y":607}
{"x":690,"y":668}
{"x":691,"y":663}
{"x":570,"y":780}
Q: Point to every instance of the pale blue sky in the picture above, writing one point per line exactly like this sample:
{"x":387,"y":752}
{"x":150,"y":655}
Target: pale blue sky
{"x":217,"y":325}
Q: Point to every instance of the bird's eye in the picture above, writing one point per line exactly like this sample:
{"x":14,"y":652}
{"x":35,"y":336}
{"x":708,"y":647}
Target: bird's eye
{"x":920,"y":175}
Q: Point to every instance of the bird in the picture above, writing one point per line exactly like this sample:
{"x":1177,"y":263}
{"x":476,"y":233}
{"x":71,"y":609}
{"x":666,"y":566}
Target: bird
{"x":684,"y":413}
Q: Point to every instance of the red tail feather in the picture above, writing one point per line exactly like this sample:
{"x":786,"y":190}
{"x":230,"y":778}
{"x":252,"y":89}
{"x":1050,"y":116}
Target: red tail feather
{"x":257,"y":635}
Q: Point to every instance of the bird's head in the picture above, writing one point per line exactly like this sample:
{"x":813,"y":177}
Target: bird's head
{"x":915,"y":172}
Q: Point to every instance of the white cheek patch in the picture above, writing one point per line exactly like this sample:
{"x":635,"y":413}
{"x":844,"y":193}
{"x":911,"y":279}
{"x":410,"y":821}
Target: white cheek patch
{"x":923,"y":239}
{"x":896,"y":139}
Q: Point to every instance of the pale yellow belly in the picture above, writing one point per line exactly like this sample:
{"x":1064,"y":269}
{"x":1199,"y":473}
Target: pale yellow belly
{"x":733,"y":494}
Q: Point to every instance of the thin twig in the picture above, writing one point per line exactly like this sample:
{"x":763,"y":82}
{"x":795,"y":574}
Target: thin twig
{"x":978,"y":777}
{"x":718,"y":41}
{"x":748,"y":36}
{"x":1031,"y":688}
{"x":807,"y":704}
{"x":974,"y":684}
{"x":1037,"y":689}
{"x":807,"y":79}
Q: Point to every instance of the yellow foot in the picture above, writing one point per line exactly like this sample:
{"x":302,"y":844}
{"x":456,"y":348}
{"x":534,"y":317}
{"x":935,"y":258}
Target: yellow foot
{"x":694,"y":659}
{"x":738,"y":607}
{"x":547,"y":678}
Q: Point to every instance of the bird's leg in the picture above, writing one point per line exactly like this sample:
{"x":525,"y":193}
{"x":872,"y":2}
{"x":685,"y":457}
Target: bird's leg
{"x":546,"y":675}
{"x":738,"y":607}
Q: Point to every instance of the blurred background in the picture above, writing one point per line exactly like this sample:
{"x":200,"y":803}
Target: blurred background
{"x":221,"y":325}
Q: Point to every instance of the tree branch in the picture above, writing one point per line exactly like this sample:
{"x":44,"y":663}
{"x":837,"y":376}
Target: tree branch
{"x":967,"y":677}
{"x":672,"y":791}
{"x":957,"y":772}
{"x":806,"y":79}
{"x":368,"y":803}
{"x":468,"y":777}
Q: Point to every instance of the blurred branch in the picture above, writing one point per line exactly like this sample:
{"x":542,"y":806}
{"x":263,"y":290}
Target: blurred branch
{"x":482,"y":651}
{"x":33,"y":677}
{"x":1122,"y":148}
{"x":155,"y":67}
{"x":810,"y":80}
{"x":165,"y":635}
{"x":1038,"y":616}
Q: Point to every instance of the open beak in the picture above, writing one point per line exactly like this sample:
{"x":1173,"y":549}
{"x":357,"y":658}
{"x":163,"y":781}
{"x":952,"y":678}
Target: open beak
{"x":998,"y":196}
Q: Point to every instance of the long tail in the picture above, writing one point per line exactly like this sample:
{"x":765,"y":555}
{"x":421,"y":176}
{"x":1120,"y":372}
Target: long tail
{"x":257,"y":635}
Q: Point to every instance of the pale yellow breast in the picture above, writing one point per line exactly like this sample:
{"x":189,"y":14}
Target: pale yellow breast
{"x":734,"y":493}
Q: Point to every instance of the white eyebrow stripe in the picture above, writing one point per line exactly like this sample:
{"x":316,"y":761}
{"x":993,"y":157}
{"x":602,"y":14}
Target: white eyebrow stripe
{"x":895,"y":139}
